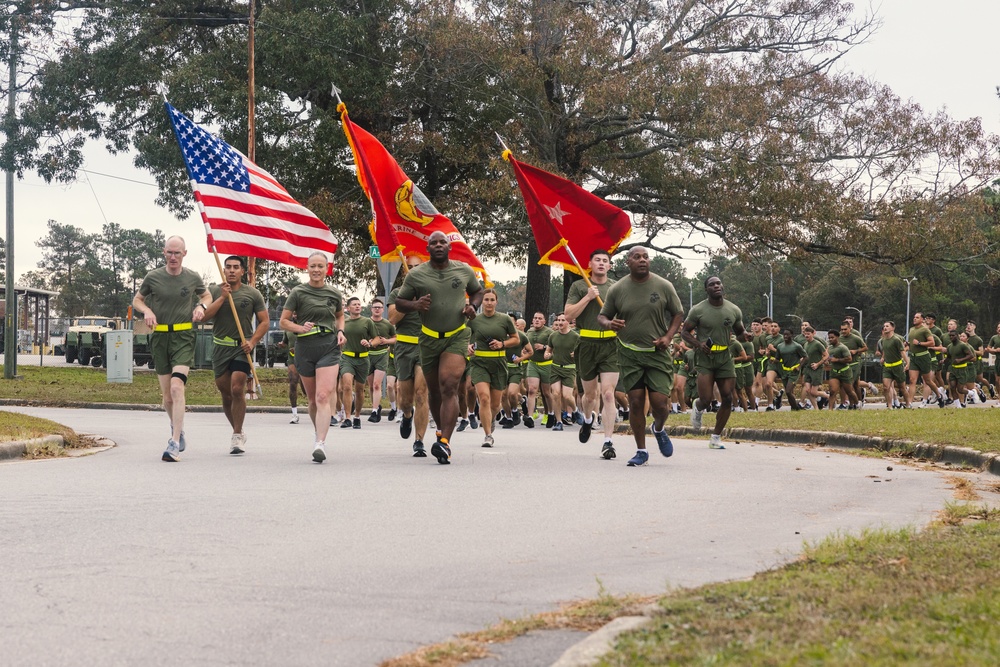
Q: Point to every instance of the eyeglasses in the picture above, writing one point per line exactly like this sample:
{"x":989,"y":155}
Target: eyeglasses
{"x":173,"y":253}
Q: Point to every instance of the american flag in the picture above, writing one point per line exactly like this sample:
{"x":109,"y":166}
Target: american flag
{"x":246,"y":211}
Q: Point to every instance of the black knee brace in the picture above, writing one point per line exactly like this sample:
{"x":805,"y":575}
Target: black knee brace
{"x":180,"y":376}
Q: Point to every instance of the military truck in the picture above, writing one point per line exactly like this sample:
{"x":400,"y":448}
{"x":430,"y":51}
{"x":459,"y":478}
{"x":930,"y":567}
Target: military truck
{"x":85,"y":338}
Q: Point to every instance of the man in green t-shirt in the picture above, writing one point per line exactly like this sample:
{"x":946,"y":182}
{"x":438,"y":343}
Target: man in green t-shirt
{"x":539,"y":370}
{"x":378,"y":359}
{"x":707,"y":331}
{"x":921,"y":340}
{"x":597,"y":357}
{"x":562,"y":351}
{"x":171,"y":299}
{"x":978,"y":345}
{"x":516,"y":359}
{"x":230,"y":357}
{"x":962,"y":379}
{"x":892,"y":349}
{"x":645,"y":311}
{"x":438,"y":290}
{"x":359,"y":331}
{"x":812,"y":370}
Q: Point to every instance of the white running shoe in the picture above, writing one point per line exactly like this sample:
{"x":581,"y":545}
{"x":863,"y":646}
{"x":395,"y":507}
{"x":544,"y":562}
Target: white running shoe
{"x":715,"y":442}
{"x":236,"y":443}
{"x":696,"y":415}
{"x":319,"y":453}
{"x":294,"y":419}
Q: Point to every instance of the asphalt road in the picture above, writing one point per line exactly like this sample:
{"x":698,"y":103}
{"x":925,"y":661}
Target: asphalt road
{"x":121,"y":559}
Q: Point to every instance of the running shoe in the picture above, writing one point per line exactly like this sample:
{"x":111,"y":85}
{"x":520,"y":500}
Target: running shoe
{"x":640,"y":459}
{"x":334,"y":421}
{"x":507,"y":423}
{"x":516,"y":418}
{"x":550,"y":420}
{"x":374,"y":416}
{"x":608,"y":451}
{"x":663,"y":442}
{"x":172,"y":453}
{"x":462,"y":425}
{"x":586,"y":429}
{"x":319,"y":453}
{"x":357,"y":422}
{"x":236,"y":444}
{"x":578,"y":418}
{"x":528,"y":421}
{"x":488,"y":441}
{"x":715,"y":442}
{"x":442,"y":452}
{"x":294,"y":419}
{"x":181,"y":443}
{"x":418,"y":450}
{"x":346,"y":424}
{"x":392,"y":414}
{"x":473,"y":421}
{"x":982,"y":395}
{"x":696,"y":416}
{"x":406,"y":427}
{"x":558,"y":426}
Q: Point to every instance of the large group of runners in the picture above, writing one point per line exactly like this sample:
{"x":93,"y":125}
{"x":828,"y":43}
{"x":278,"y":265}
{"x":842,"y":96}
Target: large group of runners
{"x":619,"y":350}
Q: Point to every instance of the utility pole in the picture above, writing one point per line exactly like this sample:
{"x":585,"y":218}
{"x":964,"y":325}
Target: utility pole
{"x":10,"y":315}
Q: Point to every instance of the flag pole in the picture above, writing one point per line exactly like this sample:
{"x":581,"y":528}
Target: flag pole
{"x":251,"y":130}
{"x":508,"y":155}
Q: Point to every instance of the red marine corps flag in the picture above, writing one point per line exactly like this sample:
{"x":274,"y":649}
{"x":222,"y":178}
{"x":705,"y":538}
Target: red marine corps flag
{"x":246,"y":211}
{"x":568,"y":222}
{"x":403,"y":217}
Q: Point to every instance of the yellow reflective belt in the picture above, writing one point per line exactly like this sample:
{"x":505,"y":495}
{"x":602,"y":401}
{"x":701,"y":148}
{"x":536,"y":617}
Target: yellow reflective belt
{"x":570,"y":366}
{"x":404,"y":338}
{"x":739,"y":365}
{"x":225,"y":342}
{"x":182,"y":326}
{"x":921,"y":354}
{"x":789,"y":368}
{"x":378,"y":353}
{"x":594,"y":333}
{"x":316,"y":330}
{"x":719,"y":348}
{"x":960,"y":365}
{"x":490,"y":353}
{"x":355,"y":354}
{"x":895,"y":363}
{"x":439,"y":334}
{"x":543,"y":363}
{"x":636,"y":348}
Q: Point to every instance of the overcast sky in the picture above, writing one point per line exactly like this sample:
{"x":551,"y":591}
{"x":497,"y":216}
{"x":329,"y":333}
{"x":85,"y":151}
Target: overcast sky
{"x":940,"y":58}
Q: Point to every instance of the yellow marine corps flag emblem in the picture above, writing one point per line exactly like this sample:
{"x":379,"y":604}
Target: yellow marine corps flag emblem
{"x":408,"y":210}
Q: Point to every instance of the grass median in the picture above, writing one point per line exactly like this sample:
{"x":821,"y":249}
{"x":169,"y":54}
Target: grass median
{"x":882,"y":598}
{"x":15,"y":426}
{"x":971,"y":427}
{"x":67,"y":385}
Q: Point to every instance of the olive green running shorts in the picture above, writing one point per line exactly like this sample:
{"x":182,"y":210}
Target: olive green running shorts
{"x":316,"y":351}
{"x":356,"y":366}
{"x":563,"y":374}
{"x":720,"y":364}
{"x":542,"y":371}
{"x":652,"y":370}
{"x":492,"y":370}
{"x":431,"y":349}
{"x":170,"y":349}
{"x":594,"y":357}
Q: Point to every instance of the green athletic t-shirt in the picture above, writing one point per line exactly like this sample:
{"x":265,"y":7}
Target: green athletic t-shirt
{"x":814,"y":351}
{"x":759,"y":343}
{"x":536,"y":337}
{"x":749,"y":348}
{"x":410,"y":324}
{"x":789,"y":354}
{"x":892,"y":349}
{"x":959,"y":350}
{"x":315,"y":304}
{"x":715,"y":322}
{"x":248,"y":300}
{"x":497,"y":326}
{"x":774,"y":341}
{"x":995,"y":342}
{"x":975,"y":342}
{"x":447,"y":287}
{"x":172,"y":298}
{"x":563,"y":346}
{"x":852,"y":343}
{"x":735,"y":349}
{"x":839,"y":351}
{"x":355,"y":330}
{"x":919,"y":334}
{"x":647,"y":308}
{"x":588,"y":318}
{"x":384,"y":329}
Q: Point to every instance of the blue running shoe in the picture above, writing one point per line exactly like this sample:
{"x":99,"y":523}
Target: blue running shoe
{"x":441,"y":452}
{"x":663,"y":442}
{"x":640,"y":459}
{"x":171,"y":454}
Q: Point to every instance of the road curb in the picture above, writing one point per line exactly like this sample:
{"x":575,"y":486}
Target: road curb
{"x":592,"y":648}
{"x":149,"y":407}
{"x":950,"y":454}
{"x":18,"y":448}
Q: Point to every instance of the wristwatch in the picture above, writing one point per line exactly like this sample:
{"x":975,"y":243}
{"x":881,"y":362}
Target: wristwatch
{"x":203,"y":306}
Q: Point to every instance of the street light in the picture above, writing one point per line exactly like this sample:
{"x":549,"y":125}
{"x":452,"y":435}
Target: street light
{"x":908,"y":282}
{"x":861,"y":318}
{"x":770,"y":299}
{"x":768,"y":304}
{"x":795,"y":316}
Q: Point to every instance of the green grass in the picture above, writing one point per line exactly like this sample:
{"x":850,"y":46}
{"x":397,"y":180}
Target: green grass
{"x":973,"y":428}
{"x":16,"y":426}
{"x":59,"y":386}
{"x":884,"y":598}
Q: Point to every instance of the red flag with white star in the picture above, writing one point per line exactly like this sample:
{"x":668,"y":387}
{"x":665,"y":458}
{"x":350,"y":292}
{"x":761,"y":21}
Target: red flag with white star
{"x":562,"y":214}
